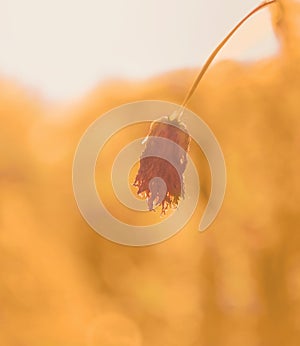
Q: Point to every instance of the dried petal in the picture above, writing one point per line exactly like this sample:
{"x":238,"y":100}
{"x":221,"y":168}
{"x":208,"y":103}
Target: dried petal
{"x":162,"y":164}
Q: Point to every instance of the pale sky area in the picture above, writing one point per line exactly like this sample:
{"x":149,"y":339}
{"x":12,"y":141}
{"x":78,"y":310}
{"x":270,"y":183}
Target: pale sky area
{"x":63,"y":48}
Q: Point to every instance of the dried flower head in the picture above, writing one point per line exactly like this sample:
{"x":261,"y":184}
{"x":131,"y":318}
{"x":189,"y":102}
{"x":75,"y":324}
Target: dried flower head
{"x":162,"y":164}
{"x":160,"y":176}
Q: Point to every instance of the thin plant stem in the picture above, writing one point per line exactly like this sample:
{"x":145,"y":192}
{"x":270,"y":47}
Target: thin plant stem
{"x":210,"y":59}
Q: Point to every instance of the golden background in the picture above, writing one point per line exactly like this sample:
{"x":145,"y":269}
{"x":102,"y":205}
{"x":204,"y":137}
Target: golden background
{"x":236,"y":284}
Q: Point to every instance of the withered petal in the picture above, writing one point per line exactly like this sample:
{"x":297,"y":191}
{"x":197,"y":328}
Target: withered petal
{"x":152,"y":166}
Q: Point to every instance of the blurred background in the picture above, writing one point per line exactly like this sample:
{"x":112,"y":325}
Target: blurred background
{"x":62,"y":50}
{"x":64,"y":64}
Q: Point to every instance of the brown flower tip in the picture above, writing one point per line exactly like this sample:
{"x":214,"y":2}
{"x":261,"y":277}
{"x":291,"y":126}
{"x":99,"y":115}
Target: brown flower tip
{"x":162,"y":164}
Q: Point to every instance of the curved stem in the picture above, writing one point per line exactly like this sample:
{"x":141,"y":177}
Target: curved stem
{"x":214,"y":53}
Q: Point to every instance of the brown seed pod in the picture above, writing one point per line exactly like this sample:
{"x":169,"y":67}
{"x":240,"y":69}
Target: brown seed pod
{"x":162,"y":164}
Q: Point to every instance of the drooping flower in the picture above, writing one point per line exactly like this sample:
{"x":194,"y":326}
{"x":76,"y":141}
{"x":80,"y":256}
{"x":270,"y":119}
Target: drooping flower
{"x":160,"y":176}
{"x":162,"y":164}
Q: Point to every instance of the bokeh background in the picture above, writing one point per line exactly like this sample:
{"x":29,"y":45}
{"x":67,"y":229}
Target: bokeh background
{"x":236,"y":284}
